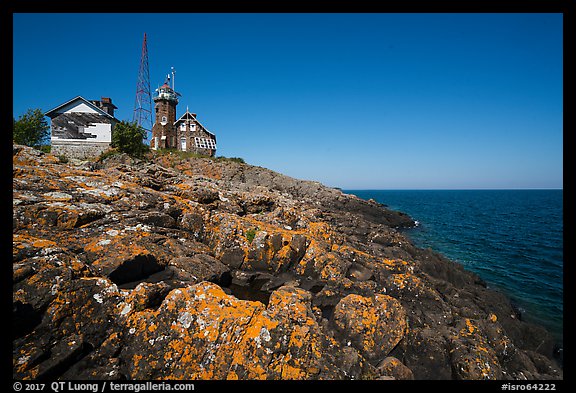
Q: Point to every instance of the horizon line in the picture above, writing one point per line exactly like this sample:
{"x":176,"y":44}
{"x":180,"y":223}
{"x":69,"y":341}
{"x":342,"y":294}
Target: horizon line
{"x":448,"y":189}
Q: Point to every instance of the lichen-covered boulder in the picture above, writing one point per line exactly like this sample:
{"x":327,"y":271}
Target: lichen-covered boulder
{"x":392,"y":367}
{"x":472,"y":356}
{"x":200,"y":332}
{"x":373,"y":325}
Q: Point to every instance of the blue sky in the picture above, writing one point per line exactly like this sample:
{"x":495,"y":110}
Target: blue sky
{"x":357,"y":101}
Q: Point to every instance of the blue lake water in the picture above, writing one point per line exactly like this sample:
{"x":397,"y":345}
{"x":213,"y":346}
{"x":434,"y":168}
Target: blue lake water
{"x":513,"y":239}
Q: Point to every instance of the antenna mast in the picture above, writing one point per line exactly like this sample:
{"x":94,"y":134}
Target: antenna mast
{"x":173,"y":78}
{"x":143,"y":103}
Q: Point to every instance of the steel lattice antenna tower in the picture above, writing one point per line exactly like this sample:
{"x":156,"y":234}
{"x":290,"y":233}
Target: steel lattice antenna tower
{"x":143,"y":104}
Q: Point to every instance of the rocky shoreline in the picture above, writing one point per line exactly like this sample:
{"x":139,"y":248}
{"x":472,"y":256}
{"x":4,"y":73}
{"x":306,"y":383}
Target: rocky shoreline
{"x":172,"y":268}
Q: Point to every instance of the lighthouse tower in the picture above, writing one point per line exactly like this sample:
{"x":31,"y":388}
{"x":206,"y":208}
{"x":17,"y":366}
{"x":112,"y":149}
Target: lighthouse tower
{"x":165,"y":101}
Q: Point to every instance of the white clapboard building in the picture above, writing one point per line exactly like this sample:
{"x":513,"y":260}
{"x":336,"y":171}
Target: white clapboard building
{"x":81,"y":128}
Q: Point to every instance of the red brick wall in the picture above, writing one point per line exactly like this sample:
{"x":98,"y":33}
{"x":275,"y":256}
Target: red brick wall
{"x":168,"y":109}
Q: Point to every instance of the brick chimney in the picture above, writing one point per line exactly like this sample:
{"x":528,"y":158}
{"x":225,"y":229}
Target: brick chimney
{"x":107,"y":105}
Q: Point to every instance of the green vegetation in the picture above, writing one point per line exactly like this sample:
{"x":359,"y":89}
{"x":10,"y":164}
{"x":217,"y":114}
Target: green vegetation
{"x":108,"y":153}
{"x":233,"y":159}
{"x":128,"y":137}
{"x":63,"y":159}
{"x":45,"y":148}
{"x":250,"y":234}
{"x":31,"y":128}
{"x":182,"y":154}
{"x":188,"y":154}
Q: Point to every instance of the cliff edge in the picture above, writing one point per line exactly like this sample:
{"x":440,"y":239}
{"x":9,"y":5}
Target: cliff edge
{"x":174,"y":268}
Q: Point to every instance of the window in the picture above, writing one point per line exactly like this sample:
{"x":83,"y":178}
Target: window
{"x":193,"y":127}
{"x":164,"y":119}
{"x":183,"y":127}
{"x":205,"y":143}
{"x":200,"y":143}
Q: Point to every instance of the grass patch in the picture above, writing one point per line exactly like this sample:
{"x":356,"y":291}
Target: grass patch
{"x":108,"y":153}
{"x":184,"y":155}
{"x":250,"y":234}
{"x":181,"y":154}
{"x":45,"y":148}
{"x":232,"y":159}
{"x":189,"y":154}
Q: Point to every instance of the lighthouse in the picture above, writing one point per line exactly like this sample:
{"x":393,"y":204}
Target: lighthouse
{"x":165,"y":101}
{"x":184,"y":134}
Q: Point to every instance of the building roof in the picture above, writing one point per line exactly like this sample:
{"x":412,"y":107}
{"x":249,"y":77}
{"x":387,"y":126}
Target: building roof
{"x":52,"y":112}
{"x":165,"y":92}
{"x":190,"y":116}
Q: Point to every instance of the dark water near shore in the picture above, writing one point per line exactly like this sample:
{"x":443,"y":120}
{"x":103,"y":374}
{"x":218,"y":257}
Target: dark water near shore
{"x":513,"y":239}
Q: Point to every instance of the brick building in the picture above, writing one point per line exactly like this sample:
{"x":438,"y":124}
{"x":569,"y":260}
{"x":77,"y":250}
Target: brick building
{"x":185,"y":133}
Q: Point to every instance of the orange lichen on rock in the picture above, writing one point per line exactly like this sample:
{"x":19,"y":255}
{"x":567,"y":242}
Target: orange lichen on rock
{"x":22,"y":240}
{"x":395,"y":265}
{"x":472,"y":353}
{"x":394,"y":368}
{"x":322,"y":230}
{"x":201,"y":322}
{"x":470,"y":328}
{"x":203,"y":333}
{"x":374,"y":325}
{"x":329,"y":266}
{"x":405,"y":281}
